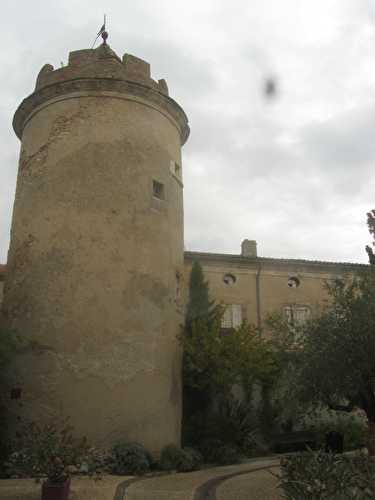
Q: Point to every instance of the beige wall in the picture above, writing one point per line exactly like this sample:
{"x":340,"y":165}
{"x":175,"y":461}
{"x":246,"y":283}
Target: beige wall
{"x":94,"y":259}
{"x":261,"y":285}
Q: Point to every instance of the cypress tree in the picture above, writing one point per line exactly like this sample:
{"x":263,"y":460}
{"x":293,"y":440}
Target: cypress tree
{"x":199,"y":305}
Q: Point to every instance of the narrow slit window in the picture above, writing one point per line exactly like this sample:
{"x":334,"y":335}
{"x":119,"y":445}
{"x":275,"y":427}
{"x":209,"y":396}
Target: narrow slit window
{"x":158,"y":190}
{"x":177,"y":170}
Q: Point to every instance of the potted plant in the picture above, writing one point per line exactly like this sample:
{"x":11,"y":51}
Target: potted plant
{"x":49,"y":453}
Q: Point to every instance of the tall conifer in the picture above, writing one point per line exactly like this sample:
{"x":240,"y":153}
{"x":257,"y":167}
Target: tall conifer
{"x":199,"y":305}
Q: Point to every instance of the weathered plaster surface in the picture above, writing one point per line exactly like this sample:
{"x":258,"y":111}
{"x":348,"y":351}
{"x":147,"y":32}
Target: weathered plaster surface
{"x":91,"y":274}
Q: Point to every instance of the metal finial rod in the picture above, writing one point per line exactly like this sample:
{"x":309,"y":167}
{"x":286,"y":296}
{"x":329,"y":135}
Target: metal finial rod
{"x":102,"y":32}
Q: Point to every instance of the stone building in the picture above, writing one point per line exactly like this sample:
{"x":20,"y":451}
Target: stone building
{"x":252,"y":287}
{"x":96,"y":274}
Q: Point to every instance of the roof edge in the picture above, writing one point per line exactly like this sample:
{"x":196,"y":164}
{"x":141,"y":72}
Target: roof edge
{"x":191,"y":255}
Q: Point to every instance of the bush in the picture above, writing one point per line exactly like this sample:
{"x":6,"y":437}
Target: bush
{"x":228,"y":455}
{"x":353,"y":428}
{"x":218,"y":452}
{"x":130,"y":458}
{"x":196,"y":456}
{"x":324,"y":476}
{"x":232,"y":424}
{"x":181,"y":459}
{"x":49,"y":450}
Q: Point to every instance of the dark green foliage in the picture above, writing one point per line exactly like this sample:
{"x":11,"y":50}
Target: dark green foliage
{"x":371,"y":228}
{"x":216,"y":451}
{"x":338,"y":351}
{"x":214,"y":362}
{"x":228,"y":455}
{"x":199,"y":309}
{"x":180,"y":459}
{"x":354,"y":431}
{"x":130,"y":458}
{"x":232,"y":425}
{"x":199,"y":306}
{"x":289,"y":442}
{"x":48,"y":450}
{"x":269,"y":411}
{"x":196,"y":456}
{"x":324,"y":476}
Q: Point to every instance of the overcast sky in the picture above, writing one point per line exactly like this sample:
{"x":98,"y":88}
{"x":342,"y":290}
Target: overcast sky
{"x":294,"y":171}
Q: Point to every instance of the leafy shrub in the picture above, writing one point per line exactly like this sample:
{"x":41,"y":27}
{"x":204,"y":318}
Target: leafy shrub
{"x":324,"y":476}
{"x":217,"y":452}
{"x":130,"y":458}
{"x":233,"y":424}
{"x":197,"y":457}
{"x":48,"y":450}
{"x":239,"y":425}
{"x":227,"y":455}
{"x":354,"y":429}
{"x":181,"y":459}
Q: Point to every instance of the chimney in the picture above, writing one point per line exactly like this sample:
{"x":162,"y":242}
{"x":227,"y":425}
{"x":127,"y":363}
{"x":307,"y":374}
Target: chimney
{"x":249,"y":248}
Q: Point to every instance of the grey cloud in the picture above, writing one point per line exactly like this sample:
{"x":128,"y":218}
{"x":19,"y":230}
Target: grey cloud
{"x":242,"y":178}
{"x":346,"y":140}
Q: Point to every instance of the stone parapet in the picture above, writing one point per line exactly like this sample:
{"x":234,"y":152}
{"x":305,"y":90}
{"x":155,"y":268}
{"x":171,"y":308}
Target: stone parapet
{"x":100,"y":70}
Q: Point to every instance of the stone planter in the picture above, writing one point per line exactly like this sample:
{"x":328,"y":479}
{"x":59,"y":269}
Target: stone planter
{"x":60,"y":491}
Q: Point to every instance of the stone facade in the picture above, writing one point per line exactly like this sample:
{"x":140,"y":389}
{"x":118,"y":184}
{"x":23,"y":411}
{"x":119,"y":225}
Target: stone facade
{"x":253,"y":287}
{"x":96,"y":250}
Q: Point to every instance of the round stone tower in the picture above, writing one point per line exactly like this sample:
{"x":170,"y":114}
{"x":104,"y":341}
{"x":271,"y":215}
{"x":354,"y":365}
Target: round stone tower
{"x":96,"y":251}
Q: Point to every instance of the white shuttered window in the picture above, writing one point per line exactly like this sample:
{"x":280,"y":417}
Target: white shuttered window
{"x":232,"y":317}
{"x":297,"y":315}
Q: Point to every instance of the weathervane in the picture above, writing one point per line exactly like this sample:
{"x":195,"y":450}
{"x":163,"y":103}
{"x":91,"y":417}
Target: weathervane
{"x":103,"y":33}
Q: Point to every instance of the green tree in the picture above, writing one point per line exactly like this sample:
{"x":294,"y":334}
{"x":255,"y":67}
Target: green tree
{"x":371,"y":227}
{"x":215,"y":361}
{"x":199,"y":309}
{"x":337,"y":357}
{"x":199,"y":306}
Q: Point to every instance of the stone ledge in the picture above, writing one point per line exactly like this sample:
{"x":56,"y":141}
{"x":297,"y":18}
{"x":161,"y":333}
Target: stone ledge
{"x":65,"y":88}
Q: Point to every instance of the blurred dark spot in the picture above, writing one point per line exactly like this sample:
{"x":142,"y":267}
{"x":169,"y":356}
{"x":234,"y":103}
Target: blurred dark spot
{"x":270,"y":88}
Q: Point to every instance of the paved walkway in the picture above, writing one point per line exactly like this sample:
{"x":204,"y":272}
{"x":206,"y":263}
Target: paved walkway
{"x":259,"y":485}
{"x":248,"y":481}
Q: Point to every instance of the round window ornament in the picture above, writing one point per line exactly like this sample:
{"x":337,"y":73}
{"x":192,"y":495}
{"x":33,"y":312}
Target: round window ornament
{"x":229,"y":279}
{"x":293,"y":282}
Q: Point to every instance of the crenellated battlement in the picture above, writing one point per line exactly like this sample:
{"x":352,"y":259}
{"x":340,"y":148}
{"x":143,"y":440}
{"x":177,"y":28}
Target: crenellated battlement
{"x":100,"y":70}
{"x":101,"y":62}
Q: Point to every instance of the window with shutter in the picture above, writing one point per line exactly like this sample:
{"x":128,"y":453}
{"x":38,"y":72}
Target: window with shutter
{"x":232,"y":317}
{"x":297,"y":315}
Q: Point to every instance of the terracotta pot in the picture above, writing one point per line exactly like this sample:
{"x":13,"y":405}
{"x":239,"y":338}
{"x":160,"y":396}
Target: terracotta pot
{"x":60,"y":491}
